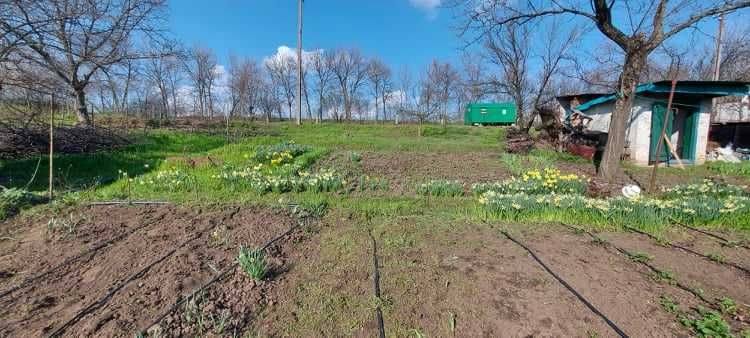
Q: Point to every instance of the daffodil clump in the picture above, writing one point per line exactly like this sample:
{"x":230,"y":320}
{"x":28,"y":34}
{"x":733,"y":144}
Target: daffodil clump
{"x":441,"y":188}
{"x":730,"y":210}
{"x":174,"y":179}
{"x":705,"y":188}
{"x":279,"y":169}
{"x":534,"y":182}
{"x":280,"y":153}
{"x":372,"y":183}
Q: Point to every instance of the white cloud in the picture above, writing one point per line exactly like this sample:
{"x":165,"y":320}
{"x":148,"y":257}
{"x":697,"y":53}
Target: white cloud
{"x":429,"y":6}
{"x":284,"y":52}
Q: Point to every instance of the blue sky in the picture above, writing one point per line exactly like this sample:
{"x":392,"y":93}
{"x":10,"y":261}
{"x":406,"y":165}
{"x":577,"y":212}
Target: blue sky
{"x":410,"y":32}
{"x":401,"y":32}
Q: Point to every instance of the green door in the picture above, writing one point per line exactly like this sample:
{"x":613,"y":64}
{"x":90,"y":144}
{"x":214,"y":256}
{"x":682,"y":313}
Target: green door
{"x":657,"y":123}
{"x":690,"y":139}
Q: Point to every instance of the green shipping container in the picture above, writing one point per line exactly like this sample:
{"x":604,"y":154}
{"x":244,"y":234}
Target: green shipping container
{"x":490,"y":114}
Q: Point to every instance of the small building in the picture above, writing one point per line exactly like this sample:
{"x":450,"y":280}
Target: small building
{"x":490,"y":114}
{"x":687,"y":123}
{"x":731,"y":123}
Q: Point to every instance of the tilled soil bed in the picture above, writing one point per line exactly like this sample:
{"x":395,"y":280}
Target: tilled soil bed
{"x":152,"y":257}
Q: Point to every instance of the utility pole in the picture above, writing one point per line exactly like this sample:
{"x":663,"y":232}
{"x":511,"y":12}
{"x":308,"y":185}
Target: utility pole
{"x":717,"y":62}
{"x":299,"y":62}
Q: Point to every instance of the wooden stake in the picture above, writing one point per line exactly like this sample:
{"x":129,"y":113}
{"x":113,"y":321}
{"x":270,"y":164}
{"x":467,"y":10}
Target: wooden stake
{"x":673,"y":150}
{"x":662,"y":137}
{"x":51,"y":145}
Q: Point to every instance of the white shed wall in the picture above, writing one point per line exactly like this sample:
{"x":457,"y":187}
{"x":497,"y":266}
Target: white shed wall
{"x":638,"y":135}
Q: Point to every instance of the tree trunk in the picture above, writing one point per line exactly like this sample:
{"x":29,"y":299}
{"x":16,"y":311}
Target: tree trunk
{"x":81,"y":110}
{"x":320,"y":109}
{"x":610,"y":163}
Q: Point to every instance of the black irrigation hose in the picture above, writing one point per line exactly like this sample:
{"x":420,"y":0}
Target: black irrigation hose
{"x":567,"y":286}
{"x":724,"y":240}
{"x":126,"y":202}
{"x":691,"y":251}
{"x":103,"y":300}
{"x":646,"y":264}
{"x":376,"y":285}
{"x":221,"y":276}
{"x":70,"y":260}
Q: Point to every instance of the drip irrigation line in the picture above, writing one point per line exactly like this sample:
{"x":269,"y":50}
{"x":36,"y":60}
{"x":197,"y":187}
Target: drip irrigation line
{"x":103,"y":300}
{"x":126,"y":202}
{"x":376,"y":285}
{"x":724,"y":240}
{"x":646,"y":264}
{"x":567,"y":286}
{"x":70,"y":260}
{"x":221,"y":276}
{"x":691,"y":251}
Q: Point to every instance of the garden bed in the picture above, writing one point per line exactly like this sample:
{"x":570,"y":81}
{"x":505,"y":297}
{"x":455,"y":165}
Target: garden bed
{"x":122,"y":287}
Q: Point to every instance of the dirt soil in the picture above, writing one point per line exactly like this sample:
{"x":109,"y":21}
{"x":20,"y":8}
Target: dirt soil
{"x":492,"y":287}
{"x":404,"y":170}
{"x":124,"y":285}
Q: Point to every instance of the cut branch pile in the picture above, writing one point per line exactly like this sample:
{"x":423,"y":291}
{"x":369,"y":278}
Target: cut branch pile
{"x":518,"y":141}
{"x":16,"y":142}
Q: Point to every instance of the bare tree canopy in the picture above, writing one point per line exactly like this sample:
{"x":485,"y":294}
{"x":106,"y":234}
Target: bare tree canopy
{"x":76,"y":39}
{"x":636,"y":27}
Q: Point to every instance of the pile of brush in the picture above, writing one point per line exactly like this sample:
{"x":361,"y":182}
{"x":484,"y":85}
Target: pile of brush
{"x":20,"y":142}
{"x":518,"y":141}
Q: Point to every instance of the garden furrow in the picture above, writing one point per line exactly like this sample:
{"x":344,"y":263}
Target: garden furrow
{"x":565,"y":284}
{"x":47,"y":248}
{"x":722,"y":240}
{"x":465,"y":279}
{"x":216,"y":305}
{"x":42,"y":307}
{"x":603,"y":277}
{"x":88,"y":253}
{"x":140,"y":273}
{"x":693,"y":290}
{"x":693,"y":252}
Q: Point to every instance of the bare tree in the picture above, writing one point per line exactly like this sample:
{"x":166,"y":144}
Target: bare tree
{"x":282,"y":70}
{"x":474,"y":83}
{"x":378,"y":73}
{"x":200,"y":65}
{"x":430,"y":100}
{"x":443,"y":80}
{"x":646,"y":25}
{"x":76,"y":39}
{"x":406,"y":87}
{"x":322,"y":68}
{"x":244,"y":86}
{"x":508,"y":48}
{"x":350,"y":69}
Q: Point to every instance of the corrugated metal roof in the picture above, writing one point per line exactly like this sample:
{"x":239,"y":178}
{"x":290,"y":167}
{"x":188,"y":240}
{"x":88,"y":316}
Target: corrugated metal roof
{"x":704,"y":88}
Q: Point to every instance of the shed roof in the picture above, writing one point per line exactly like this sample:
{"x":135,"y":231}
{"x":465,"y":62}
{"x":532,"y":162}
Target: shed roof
{"x":700,"y":89}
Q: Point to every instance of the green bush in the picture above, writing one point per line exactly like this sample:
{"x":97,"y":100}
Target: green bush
{"x":13,"y":199}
